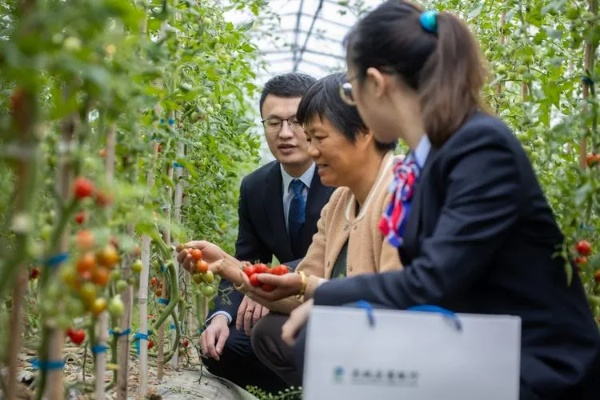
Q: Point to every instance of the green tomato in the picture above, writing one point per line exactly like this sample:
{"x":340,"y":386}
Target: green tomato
{"x":63,"y":322}
{"x":208,"y":290}
{"x":45,"y":232}
{"x":208,"y":277}
{"x":121,"y":285}
{"x":137,"y":266}
{"x":115,"y":275}
{"x":197,"y":278}
{"x":207,"y":21}
{"x":116,"y":308}
{"x":75,"y":308}
{"x":72,"y":44}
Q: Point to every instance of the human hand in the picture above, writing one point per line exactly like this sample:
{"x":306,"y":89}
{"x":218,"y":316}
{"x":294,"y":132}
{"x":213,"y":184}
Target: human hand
{"x":278,"y":286}
{"x":295,"y":322}
{"x":214,"y":337}
{"x":211,"y":253}
{"x":248,"y":314}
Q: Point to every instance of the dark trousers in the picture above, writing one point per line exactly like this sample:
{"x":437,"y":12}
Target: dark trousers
{"x":272,"y":351}
{"x":239,"y":364}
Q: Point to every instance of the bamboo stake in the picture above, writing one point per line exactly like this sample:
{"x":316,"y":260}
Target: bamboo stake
{"x":123,"y":340}
{"x":588,"y":65}
{"x":52,"y":347}
{"x":177,"y":203}
{"x":166,"y":295}
{"x":143,"y":292}
{"x":16,"y":327}
{"x":102,"y":334}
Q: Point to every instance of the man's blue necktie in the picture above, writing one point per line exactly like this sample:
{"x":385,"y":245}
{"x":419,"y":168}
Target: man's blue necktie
{"x":296,"y":217}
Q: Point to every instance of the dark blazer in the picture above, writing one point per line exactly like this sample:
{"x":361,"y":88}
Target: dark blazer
{"x":481,"y":238}
{"x":262,"y":233}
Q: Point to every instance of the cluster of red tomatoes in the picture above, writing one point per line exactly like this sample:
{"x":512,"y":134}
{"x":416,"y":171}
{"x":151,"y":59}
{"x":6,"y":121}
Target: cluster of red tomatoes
{"x":584,"y":250}
{"x":592,"y":159}
{"x":252,"y":271}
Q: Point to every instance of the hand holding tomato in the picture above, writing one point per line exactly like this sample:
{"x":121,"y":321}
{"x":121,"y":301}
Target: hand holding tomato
{"x":198,"y":250}
{"x":271,"y":283}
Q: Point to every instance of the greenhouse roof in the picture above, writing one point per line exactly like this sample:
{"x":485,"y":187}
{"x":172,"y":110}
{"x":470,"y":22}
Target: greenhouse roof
{"x":305,"y":35}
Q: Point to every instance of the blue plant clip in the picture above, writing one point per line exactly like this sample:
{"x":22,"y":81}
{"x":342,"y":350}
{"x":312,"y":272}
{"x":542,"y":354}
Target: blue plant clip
{"x":428,"y":20}
{"x":47,"y":365}
{"x":99,"y":348}
{"x":56,"y":260}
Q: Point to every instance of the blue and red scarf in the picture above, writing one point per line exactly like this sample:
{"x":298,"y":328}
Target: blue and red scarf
{"x":391,"y":225}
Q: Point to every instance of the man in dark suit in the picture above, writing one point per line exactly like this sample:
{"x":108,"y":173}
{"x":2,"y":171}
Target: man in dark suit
{"x":481,"y":238}
{"x":268,"y":227}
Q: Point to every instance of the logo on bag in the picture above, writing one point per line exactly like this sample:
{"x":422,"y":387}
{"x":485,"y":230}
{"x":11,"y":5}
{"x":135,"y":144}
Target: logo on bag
{"x":377,"y":377}
{"x":338,"y":374}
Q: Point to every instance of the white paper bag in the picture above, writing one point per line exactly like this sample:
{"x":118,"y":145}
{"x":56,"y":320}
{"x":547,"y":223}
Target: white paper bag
{"x":410,"y":355}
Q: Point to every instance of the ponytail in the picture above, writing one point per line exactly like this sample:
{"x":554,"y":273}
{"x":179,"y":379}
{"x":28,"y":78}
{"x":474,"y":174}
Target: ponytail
{"x":432,"y":53}
{"x":451,"y":80}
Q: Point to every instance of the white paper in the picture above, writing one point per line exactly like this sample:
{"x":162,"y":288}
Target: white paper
{"x":410,"y":355}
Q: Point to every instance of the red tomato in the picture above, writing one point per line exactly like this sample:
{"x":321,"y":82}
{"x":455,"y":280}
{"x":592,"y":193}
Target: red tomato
{"x":80,"y":218}
{"x":86,"y":263}
{"x":103,"y":199}
{"x":108,"y":256}
{"x":254,"y":280}
{"x":150,"y":344}
{"x":100,"y":276}
{"x":35,"y":272}
{"x":279,"y":270}
{"x":185,"y":343}
{"x":82,"y":188}
{"x":261,"y":268}
{"x":597,"y":276}
{"x":250,"y":270}
{"x":85,"y":240}
{"x":202,"y":266}
{"x":267,"y":288}
{"x":583,"y":247}
{"x":592,"y":159}
{"x":196,"y":254}
{"x":581,"y":260}
{"x":153,"y":281}
{"x":76,"y":336}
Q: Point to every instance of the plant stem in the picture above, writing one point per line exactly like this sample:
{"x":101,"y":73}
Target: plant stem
{"x":14,"y":340}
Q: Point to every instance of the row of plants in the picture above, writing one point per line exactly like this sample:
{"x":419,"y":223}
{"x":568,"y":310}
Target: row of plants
{"x":124,"y":128}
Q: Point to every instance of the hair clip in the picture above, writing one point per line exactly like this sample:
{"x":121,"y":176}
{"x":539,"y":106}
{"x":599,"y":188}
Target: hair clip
{"x":428,"y":20}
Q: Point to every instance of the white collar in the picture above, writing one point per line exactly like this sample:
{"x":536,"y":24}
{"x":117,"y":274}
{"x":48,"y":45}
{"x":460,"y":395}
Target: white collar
{"x":422,"y":151}
{"x":306,"y":177}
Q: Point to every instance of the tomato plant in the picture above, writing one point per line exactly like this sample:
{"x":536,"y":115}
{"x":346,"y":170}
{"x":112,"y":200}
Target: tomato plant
{"x":114,"y":106}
